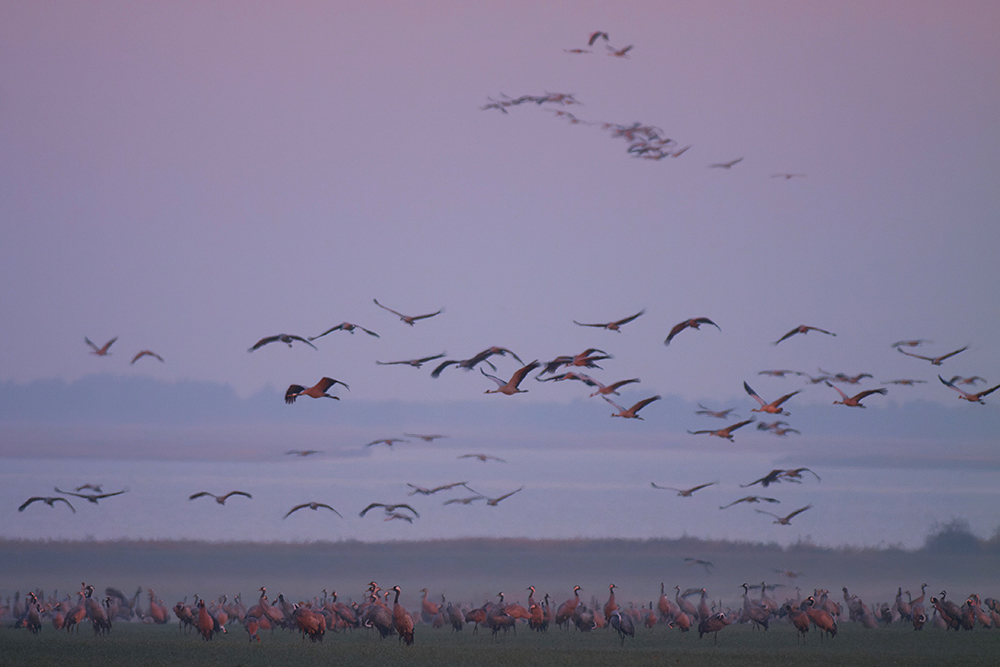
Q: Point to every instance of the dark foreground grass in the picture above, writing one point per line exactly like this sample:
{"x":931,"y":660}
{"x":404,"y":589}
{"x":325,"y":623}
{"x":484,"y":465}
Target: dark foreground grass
{"x":136,"y":645}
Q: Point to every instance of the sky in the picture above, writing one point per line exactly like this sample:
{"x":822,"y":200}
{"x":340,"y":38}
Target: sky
{"x":192,"y":177}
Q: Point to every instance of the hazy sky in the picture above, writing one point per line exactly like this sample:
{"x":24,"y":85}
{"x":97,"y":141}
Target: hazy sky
{"x":192,"y":177}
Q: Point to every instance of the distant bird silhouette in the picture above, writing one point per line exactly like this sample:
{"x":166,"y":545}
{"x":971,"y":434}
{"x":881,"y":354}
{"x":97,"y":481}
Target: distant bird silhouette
{"x":316,"y":391}
{"x":416,"y":363}
{"x":958,"y":379}
{"x":100,"y":351}
{"x":795,"y":474}
{"x":910,"y":343}
{"x":777,"y":373}
{"x":586,"y":359}
{"x":591,"y":382}
{"x":619,"y":53}
{"x":785,"y":520}
{"x":409,"y":319}
{"x":426,"y":438}
{"x":772,"y":477}
{"x":720,"y":414}
{"x":972,"y":398}
{"x":935,"y":361}
{"x":283,"y":338}
{"x":855,"y":401}
{"x":613,"y":326}
{"x":312,"y":506}
{"x":726,"y":432}
{"x":774,"y":407}
{"x":683,"y":493}
{"x":394,"y":516}
{"x":345,"y":326}
{"x":693,"y":323}
{"x":469,"y":364}
{"x":905,"y":382}
{"x":96,"y":488}
{"x":631,"y":413}
{"x":389,"y":509}
{"x":386,"y":441}
{"x":92,"y":497}
{"x":145,"y":353}
{"x":463,"y":501}
{"x":788,"y":177}
{"x":427,"y":492}
{"x":47,"y":500}
{"x":482,"y":457}
{"x":510,"y":387}
{"x":802,"y":329}
{"x":708,"y":565}
{"x":303,"y":452}
{"x":493,"y":502}
{"x":725,"y":165}
{"x":219,"y":499}
{"x":750,"y":499}
{"x":594,"y":36}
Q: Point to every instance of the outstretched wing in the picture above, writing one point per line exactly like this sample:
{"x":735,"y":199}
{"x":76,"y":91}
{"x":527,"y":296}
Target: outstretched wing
{"x":644,"y":402}
{"x":786,"y":336}
{"x":293,"y":392}
{"x":264,"y":341}
{"x":754,"y":394}
{"x":372,"y":506}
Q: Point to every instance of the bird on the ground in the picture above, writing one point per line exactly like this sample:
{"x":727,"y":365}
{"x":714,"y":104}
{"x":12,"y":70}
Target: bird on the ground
{"x":725,"y":165}
{"x":619,"y":53}
{"x":219,"y":499}
{"x":750,"y":499}
{"x":389,"y":509}
{"x":303,"y":452}
{"x":855,"y":401}
{"x":693,"y":323}
{"x":345,"y":326}
{"x":788,"y":177}
{"x":386,"y":441}
{"x":312,"y":506}
{"x":316,"y":391}
{"x":935,"y":361}
{"x":482,"y":457}
{"x":594,"y":36}
{"x":402,"y":620}
{"x":493,"y":502}
{"x":631,"y":413}
{"x":416,"y":363}
{"x":972,"y":398}
{"x":713,"y":624}
{"x":428,"y":492}
{"x":469,"y":364}
{"x":426,"y":438}
{"x":623,"y":624}
{"x":100,"y":351}
{"x":772,"y":408}
{"x":726,"y":432}
{"x":613,"y":326}
{"x":785,"y":520}
{"x":510,"y":387}
{"x":683,"y":493}
{"x":708,"y":565}
{"x":910,"y":343}
{"x":802,"y":329}
{"x":719,"y":414}
{"x":47,"y":500}
{"x":92,"y":497}
{"x":145,"y":353}
{"x":772,"y":477}
{"x":282,"y":338}
{"x":409,"y":319}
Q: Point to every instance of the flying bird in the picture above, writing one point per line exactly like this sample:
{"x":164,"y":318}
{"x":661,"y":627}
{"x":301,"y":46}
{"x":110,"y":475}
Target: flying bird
{"x":631,"y":413}
{"x":777,"y":373}
{"x":750,"y":499}
{"x":785,"y":520}
{"x":683,"y":493}
{"x":585,"y":359}
{"x":389,"y":509}
{"x":303,"y":452}
{"x":312,"y":506}
{"x":100,"y":351}
{"x":47,"y":500}
{"x":386,"y":441}
{"x":772,"y":477}
{"x":720,"y":414}
{"x":482,"y":457}
{"x":96,"y":488}
{"x":493,"y":502}
{"x":910,"y":343}
{"x":145,"y":353}
{"x":92,"y":497}
{"x":725,"y":165}
{"x":391,"y":516}
{"x":795,"y":474}
{"x":935,"y":361}
{"x":594,"y":36}
{"x":463,"y":501}
{"x":345,"y":326}
{"x":774,"y":407}
{"x":694,"y":323}
{"x":788,"y":177}
{"x":802,"y":329}
{"x":409,"y":319}
{"x":283,"y":338}
{"x":708,"y":565}
{"x":427,"y":492}
{"x":219,"y":499}
{"x":613,"y":326}
{"x":316,"y":391}
{"x":416,"y":363}
{"x":469,"y":364}
{"x":726,"y":432}
{"x":510,"y":387}
{"x":958,"y":379}
{"x":905,"y":382}
{"x":972,"y":398}
{"x":425,"y":438}
{"x":619,"y":53}
{"x":855,"y":401}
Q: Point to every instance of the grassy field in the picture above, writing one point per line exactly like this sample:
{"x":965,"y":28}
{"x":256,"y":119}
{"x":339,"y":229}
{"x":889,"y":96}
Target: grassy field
{"x":135,"y":644}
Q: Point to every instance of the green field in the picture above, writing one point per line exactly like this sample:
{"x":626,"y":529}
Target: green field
{"x":136,"y":644}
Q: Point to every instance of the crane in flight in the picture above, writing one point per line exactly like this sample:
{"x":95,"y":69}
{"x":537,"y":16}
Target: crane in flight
{"x":100,"y":351}
{"x":409,"y":319}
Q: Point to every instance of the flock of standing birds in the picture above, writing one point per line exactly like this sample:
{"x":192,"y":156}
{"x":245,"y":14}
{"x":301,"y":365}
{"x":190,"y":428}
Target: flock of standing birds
{"x":315,"y":617}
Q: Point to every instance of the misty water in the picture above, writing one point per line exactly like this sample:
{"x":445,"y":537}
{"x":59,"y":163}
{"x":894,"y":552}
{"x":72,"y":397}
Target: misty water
{"x":604,"y":495}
